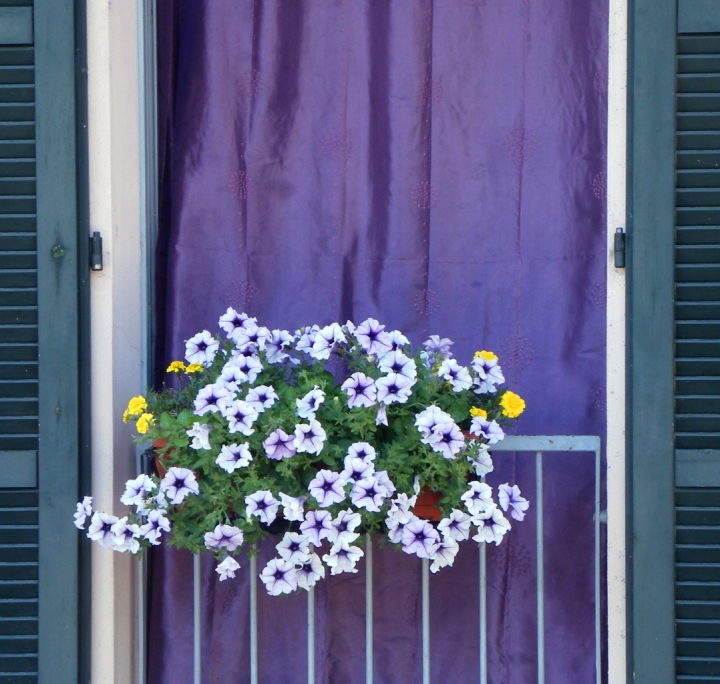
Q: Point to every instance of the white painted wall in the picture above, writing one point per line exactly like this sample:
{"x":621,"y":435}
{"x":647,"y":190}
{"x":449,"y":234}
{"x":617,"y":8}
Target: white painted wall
{"x":616,"y":175}
{"x":116,"y":315}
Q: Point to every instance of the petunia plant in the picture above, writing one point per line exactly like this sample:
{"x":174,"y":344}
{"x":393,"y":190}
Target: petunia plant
{"x":258,"y":437}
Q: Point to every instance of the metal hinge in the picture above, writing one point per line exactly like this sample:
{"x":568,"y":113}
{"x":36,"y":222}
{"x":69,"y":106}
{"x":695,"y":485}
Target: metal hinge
{"x":96,"y":255}
{"x":619,"y":248}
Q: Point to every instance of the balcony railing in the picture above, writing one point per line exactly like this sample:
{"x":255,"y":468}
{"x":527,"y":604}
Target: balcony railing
{"x":538,"y":444}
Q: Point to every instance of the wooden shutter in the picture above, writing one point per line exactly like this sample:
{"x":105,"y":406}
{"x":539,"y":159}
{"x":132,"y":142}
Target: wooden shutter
{"x":697,"y":345}
{"x":41,"y":258}
{"x":18,"y":354}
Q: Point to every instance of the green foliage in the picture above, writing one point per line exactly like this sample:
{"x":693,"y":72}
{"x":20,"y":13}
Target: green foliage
{"x":400,"y":451}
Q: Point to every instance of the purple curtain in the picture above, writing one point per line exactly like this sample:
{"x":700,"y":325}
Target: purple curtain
{"x":438,"y":165}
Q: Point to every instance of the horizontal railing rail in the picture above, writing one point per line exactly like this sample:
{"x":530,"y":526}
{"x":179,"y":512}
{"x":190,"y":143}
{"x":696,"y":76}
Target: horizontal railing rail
{"x":522,"y":443}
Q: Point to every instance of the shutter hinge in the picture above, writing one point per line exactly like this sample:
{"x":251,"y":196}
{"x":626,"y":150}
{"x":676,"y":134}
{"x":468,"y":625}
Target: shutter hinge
{"x":96,"y":255}
{"x":619,"y":248}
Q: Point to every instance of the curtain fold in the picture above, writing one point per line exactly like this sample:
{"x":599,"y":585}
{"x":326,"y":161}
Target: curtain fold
{"x":438,"y":165}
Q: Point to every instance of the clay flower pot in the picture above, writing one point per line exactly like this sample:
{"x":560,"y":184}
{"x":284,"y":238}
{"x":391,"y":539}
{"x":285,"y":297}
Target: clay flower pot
{"x":426,"y":505}
{"x":159,"y":444}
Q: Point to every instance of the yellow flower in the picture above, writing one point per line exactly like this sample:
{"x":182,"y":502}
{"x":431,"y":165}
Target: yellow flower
{"x":144,"y":422}
{"x":512,"y":404}
{"x":126,"y":416}
{"x":135,"y":406}
{"x":488,"y":356}
{"x":476,"y":411}
{"x":176,"y":367}
{"x":194,"y":368}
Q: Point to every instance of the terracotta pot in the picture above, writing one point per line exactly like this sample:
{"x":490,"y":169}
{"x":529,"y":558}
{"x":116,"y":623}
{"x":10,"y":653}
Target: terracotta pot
{"x":426,"y":505}
{"x":159,"y":444}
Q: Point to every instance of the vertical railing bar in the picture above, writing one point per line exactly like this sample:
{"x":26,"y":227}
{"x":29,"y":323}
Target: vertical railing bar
{"x":540,"y":568}
{"x":368,"y":610}
{"x":598,"y":654}
{"x":426,"y":620}
{"x":196,"y":619}
{"x":311,"y":635}
{"x":253,"y":621}
{"x":142,"y":564}
{"x":483,"y":614}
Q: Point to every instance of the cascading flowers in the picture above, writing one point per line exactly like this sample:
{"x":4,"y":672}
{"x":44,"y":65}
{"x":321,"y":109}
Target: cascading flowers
{"x":259,"y":438}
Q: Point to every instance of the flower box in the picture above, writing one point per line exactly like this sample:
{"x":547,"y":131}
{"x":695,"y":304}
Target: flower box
{"x":257,"y":437}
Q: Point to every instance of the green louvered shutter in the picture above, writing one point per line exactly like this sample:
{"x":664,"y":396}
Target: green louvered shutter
{"x":18,"y":361}
{"x":42,"y":260}
{"x":697,"y":345}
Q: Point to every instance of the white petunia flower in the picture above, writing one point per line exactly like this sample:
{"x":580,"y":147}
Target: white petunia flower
{"x":307,"y":405}
{"x":492,"y":525}
{"x":372,"y":337}
{"x":234,"y":456}
{"x":261,"y":397}
{"x":397,"y":340}
{"x":210,"y":398}
{"x":356,"y":469}
{"x":427,"y":420}
{"x":279,"y":445}
{"x":384,"y":481}
{"x":240,"y":417}
{"x":306,"y":339}
{"x":488,"y":429}
{"x":343,"y":557}
{"x":134,"y":494}
{"x":509,"y":497}
{"x":125,"y":538}
{"x":396,"y":520}
{"x":394,"y":388}
{"x":263,"y":505}
{"x":363,"y":451}
{"x":275,"y":346}
{"x":293,"y":507}
{"x":227,"y":568}
{"x":251,"y":366}
{"x":445,"y":554}
{"x":178,"y":483}
{"x":419,"y":537}
{"x":227,"y":536}
{"x":156,"y":524}
{"x":309,"y":438}
{"x":447,"y":439}
{"x":360,"y":389}
{"x":232,"y":320}
{"x":82,"y":511}
{"x":232,"y":376}
{"x":279,"y":577}
{"x":489,"y":374}
{"x":251,"y":337}
{"x":310,"y":572}
{"x":201,"y":348}
{"x":477,"y":498}
{"x":397,"y":362}
{"x":294,"y":548}
{"x":327,"y":488}
{"x":317,"y":526}
{"x":456,"y":526}
{"x":100,"y":529}
{"x":481,"y":461}
{"x":368,"y":493}
{"x":438,"y":345}
{"x":381,"y":417}
{"x":458,"y":376}
{"x":325,"y":340}
{"x":200,"y":433}
{"x":343,"y":527}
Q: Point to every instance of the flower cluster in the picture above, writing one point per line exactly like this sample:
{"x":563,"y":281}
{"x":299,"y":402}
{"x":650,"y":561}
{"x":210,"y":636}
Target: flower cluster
{"x":256,"y":437}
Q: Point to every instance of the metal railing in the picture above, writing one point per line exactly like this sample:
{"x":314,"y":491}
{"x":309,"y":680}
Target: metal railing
{"x":537,"y":444}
